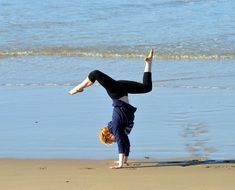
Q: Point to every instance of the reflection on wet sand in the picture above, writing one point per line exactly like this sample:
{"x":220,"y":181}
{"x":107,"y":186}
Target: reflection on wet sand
{"x":196,"y":135}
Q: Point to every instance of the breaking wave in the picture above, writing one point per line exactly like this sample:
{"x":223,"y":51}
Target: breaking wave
{"x":79,"y":52}
{"x":157,"y":83}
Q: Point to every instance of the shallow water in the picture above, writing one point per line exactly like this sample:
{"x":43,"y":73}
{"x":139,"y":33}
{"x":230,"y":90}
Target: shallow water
{"x":188,"y":113}
{"x":48,"y":47}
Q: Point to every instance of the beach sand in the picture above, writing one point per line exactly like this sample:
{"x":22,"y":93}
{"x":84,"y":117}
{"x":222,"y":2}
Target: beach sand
{"x":95,"y":174}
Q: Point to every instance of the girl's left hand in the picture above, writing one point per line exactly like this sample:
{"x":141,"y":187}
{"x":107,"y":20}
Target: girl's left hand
{"x":125,"y":163}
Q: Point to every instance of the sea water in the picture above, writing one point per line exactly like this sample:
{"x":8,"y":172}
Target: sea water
{"x":48,"y":47}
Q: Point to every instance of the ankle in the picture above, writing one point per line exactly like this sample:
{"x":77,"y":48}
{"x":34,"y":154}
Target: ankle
{"x":148,"y":67}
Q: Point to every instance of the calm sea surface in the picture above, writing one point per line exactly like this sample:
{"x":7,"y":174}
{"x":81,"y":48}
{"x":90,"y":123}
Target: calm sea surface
{"x":48,"y":47}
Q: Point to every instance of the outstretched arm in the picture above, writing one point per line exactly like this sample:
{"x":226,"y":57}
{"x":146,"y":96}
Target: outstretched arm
{"x":125,"y":160}
{"x":120,"y":162}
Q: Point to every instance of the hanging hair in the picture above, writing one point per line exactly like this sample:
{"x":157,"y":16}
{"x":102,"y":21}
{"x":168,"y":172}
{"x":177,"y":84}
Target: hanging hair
{"x":105,"y":136}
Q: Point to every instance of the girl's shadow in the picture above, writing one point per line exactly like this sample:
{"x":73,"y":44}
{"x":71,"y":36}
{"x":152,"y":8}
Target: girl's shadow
{"x":183,"y":163}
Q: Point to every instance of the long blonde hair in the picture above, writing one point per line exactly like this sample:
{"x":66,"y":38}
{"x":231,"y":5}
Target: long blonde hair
{"x":105,"y":136}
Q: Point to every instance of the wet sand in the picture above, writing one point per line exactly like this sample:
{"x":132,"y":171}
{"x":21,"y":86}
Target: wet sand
{"x":95,"y":174}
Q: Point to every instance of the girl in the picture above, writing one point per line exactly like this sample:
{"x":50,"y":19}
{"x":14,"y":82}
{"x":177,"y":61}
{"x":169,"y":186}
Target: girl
{"x":123,"y":113}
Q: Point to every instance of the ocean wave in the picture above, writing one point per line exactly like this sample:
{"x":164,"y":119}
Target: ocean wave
{"x":76,"y":52}
{"x":156,"y":84}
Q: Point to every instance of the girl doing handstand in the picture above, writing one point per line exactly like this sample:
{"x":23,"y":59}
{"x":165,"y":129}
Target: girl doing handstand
{"x":123,"y":113}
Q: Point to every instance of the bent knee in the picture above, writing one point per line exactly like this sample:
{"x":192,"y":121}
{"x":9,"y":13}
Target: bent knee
{"x":93,"y":75}
{"x":95,"y":72}
{"x":148,"y":88}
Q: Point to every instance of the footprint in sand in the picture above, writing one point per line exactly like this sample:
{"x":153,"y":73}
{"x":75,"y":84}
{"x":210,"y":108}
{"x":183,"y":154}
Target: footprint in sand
{"x":43,"y":168}
{"x":137,"y":164}
{"x":86,"y":168}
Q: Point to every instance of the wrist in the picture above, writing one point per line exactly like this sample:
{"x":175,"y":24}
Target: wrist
{"x":121,"y":160}
{"x":125,"y":159}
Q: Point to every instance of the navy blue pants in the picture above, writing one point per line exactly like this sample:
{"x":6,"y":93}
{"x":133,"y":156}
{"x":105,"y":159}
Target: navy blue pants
{"x":119,"y":88}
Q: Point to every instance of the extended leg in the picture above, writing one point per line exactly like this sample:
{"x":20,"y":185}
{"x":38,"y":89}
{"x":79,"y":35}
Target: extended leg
{"x":144,"y":87}
{"x":113,"y":87}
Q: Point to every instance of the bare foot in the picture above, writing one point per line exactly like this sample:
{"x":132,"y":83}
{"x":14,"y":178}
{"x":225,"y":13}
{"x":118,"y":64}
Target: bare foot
{"x":76,"y":90}
{"x":149,"y":58}
{"x":79,"y":88}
